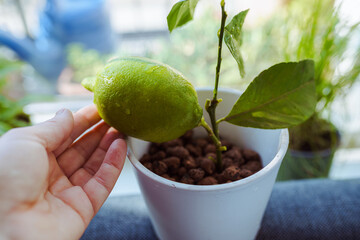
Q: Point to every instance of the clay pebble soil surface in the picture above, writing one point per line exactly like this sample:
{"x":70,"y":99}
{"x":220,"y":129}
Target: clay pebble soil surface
{"x":191,"y":160}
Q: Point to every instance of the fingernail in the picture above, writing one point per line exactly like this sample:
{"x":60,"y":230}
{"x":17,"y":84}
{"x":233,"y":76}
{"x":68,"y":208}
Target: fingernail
{"x":61,"y":111}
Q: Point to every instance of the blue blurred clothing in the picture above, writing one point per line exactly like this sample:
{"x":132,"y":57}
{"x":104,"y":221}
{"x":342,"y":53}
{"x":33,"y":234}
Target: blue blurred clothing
{"x":303,"y":209}
{"x":62,"y":22}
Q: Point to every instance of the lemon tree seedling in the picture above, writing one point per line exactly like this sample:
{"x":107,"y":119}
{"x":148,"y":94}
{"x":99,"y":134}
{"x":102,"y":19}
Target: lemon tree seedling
{"x":154,"y":102}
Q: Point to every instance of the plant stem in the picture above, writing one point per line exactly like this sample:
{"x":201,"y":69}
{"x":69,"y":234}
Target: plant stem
{"x":214,"y":102}
{"x":216,"y":140}
{"x":220,"y":120}
{"x":221,"y":37}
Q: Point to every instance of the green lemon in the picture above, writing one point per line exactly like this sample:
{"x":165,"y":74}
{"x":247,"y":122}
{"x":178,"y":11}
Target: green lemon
{"x":145,"y":99}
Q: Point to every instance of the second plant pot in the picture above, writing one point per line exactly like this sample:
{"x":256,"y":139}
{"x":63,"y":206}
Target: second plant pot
{"x":303,"y":165}
{"x":226,"y":211}
{"x":322,"y":140}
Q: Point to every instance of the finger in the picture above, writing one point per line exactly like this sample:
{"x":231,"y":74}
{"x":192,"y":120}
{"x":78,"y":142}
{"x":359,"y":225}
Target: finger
{"x":75,"y":156}
{"x":83,"y":175}
{"x":76,"y":198}
{"x":100,"y":185}
{"x":83,"y":120}
{"x":52,"y":133}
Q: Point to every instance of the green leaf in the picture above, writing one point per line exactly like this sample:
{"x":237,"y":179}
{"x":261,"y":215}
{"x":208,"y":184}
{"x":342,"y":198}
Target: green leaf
{"x":4,"y":127}
{"x":281,"y":96}
{"x":181,"y":13}
{"x":233,"y":38}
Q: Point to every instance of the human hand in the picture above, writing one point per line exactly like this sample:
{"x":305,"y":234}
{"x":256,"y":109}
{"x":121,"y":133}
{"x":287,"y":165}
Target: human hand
{"x":50,"y":186}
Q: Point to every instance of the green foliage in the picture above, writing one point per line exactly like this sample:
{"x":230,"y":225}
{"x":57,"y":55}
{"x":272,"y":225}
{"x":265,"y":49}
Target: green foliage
{"x":7,"y":67}
{"x":181,"y":13}
{"x":11,"y":115}
{"x":281,"y":96}
{"x":11,"y":112}
{"x":84,"y":62}
{"x":315,"y":30}
{"x":233,"y":39}
{"x":320,"y":33}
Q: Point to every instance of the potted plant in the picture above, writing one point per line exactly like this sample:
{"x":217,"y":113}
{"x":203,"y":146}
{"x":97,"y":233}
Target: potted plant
{"x":313,"y":143}
{"x":152,"y":101}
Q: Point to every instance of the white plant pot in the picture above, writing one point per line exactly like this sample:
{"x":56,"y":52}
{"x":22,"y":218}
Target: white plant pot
{"x":226,"y":211}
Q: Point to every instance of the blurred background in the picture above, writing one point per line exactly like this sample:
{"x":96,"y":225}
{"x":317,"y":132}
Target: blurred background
{"x":48,"y":46}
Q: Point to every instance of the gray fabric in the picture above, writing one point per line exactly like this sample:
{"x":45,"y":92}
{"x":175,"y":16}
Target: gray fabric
{"x":313,"y":209}
{"x":121,"y":218}
{"x":303,"y":209}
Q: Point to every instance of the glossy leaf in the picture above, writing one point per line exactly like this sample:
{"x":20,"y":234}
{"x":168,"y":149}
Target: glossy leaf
{"x":233,"y":38}
{"x":181,"y":13}
{"x":281,"y":96}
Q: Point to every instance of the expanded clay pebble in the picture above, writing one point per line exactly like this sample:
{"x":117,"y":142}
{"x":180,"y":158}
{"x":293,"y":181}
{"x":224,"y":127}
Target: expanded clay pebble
{"x":190,"y":163}
{"x":251,"y":155}
{"x":197,"y":174}
{"x":210,"y":148}
{"x":208,"y":181}
{"x":173,"y":163}
{"x":232,"y":173}
{"x":194,"y":150}
{"x":160,"y":155}
{"x":201,"y":142}
{"x":235,"y":154}
{"x":208,"y":165}
{"x":253,"y":166}
{"x":227,"y":162}
{"x":159,"y":167}
{"x":187,"y":179}
{"x":178,"y":151}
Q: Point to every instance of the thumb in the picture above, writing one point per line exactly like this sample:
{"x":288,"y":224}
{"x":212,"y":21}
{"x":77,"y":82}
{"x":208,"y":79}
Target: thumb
{"x":55,"y":131}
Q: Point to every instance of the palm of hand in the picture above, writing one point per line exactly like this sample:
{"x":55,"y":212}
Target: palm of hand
{"x":51,"y":187}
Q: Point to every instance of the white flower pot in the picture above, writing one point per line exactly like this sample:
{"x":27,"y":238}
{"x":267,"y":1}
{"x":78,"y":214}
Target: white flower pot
{"x":226,"y":211}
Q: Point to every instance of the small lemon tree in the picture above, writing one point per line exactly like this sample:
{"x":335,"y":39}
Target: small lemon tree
{"x":154,"y":102}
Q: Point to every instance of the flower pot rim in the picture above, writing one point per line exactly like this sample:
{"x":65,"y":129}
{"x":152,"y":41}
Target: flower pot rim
{"x":282,"y":148}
